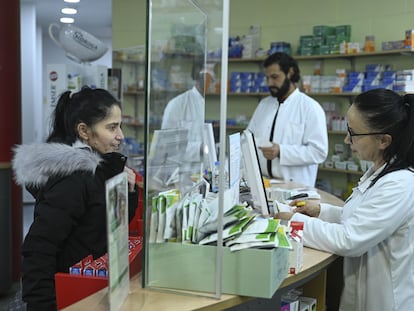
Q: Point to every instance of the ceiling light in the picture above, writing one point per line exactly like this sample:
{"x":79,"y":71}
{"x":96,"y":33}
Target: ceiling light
{"x":67,"y":20}
{"x":71,"y":1}
{"x":69,"y":11}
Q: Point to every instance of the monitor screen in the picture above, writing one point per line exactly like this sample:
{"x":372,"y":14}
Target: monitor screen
{"x":253,"y":172}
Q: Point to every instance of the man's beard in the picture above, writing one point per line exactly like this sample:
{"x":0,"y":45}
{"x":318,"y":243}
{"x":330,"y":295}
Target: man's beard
{"x":281,"y":92}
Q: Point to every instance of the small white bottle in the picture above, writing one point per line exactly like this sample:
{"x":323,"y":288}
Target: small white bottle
{"x":215,"y":179}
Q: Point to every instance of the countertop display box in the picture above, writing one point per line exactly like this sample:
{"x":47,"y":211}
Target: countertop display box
{"x":247,"y":272}
{"x":72,"y":288}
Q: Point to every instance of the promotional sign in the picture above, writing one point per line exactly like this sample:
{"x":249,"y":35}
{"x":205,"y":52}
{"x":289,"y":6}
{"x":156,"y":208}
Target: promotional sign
{"x":117,"y":228}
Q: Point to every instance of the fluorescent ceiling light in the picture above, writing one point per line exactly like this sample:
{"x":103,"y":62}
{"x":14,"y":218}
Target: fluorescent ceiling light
{"x":67,"y":20}
{"x":69,"y":11}
{"x":72,"y":1}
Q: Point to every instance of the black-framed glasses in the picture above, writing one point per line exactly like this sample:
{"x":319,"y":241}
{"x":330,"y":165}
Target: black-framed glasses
{"x":361,"y":134}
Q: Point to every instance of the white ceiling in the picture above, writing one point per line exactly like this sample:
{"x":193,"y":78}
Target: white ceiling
{"x":94,"y":16}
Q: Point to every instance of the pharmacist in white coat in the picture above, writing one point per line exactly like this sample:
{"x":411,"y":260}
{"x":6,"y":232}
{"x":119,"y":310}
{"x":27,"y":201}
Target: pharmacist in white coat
{"x":289,"y":126}
{"x":374,"y":231}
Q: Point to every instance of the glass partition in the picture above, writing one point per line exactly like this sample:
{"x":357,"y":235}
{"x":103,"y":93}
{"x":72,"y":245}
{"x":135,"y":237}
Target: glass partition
{"x":184,"y":44}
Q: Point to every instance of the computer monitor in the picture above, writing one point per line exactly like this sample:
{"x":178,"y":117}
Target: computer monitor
{"x":253,"y":172}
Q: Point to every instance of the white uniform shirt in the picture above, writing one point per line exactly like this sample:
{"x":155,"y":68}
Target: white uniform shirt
{"x":187,"y":111}
{"x":374,"y":231}
{"x":300,"y":131}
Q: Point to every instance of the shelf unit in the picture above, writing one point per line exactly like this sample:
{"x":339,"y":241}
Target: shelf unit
{"x":327,"y":62}
{"x":132,"y":93}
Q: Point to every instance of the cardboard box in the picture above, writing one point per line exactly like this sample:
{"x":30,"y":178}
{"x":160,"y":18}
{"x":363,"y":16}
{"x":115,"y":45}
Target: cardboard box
{"x":285,"y":306}
{"x":72,"y":288}
{"x":292,"y":303}
{"x":248,"y":272}
{"x":307,"y":304}
{"x":296,"y":254}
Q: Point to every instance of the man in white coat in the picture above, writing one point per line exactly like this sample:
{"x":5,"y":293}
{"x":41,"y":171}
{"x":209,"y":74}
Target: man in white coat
{"x":289,"y":126}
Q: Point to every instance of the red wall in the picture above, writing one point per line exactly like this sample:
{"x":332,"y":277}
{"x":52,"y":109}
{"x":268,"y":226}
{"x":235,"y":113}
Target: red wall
{"x":10,"y":111}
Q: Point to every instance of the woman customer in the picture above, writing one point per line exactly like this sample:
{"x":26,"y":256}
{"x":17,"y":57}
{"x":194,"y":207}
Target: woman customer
{"x":66,"y":175}
{"x":374,"y":230}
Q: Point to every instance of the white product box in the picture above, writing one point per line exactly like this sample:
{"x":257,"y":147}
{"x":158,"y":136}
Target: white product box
{"x":96,"y":76}
{"x":251,"y":43}
{"x":307,"y":304}
{"x":296,"y":254}
{"x":293,"y":304}
{"x":340,"y":165}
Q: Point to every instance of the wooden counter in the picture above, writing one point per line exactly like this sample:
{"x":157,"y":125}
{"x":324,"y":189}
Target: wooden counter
{"x":314,"y":269}
{"x":154,"y":300}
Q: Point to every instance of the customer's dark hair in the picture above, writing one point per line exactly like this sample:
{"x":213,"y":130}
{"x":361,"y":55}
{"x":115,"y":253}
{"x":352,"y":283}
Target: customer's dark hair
{"x":285,"y":62}
{"x":88,"y":106}
{"x":388,"y":112}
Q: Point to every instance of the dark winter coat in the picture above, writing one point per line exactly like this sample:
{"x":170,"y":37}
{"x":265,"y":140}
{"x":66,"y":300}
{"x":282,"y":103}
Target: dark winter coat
{"x":68,"y":183}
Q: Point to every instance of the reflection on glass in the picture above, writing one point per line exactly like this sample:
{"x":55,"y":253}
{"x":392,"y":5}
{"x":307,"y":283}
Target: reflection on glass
{"x":180,"y":35}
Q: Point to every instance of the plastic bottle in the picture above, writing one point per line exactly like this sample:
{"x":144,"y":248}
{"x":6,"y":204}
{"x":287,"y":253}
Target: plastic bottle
{"x":215,"y":184}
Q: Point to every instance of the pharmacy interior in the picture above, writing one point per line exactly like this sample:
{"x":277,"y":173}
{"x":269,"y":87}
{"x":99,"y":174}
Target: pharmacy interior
{"x":196,"y":239}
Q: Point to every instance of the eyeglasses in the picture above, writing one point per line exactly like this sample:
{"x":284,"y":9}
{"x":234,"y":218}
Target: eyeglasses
{"x":361,"y":134}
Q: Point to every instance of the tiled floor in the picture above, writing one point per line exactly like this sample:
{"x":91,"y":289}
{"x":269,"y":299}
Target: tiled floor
{"x":27,"y":220}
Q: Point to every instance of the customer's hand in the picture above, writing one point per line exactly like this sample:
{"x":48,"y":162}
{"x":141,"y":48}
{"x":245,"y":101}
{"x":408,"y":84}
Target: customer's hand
{"x":270,"y":152}
{"x":310,"y":207}
{"x":131,"y":178}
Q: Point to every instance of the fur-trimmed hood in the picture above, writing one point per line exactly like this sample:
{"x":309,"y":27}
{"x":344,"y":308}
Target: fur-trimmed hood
{"x":33,"y":164}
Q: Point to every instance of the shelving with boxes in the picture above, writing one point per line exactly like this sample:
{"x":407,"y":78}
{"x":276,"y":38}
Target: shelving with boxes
{"x":128,"y":86}
{"x":387,"y":69}
{"x":341,"y":171}
{"x":172,"y":73}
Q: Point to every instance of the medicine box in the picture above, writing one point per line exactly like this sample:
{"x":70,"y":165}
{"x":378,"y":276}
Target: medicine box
{"x":290,"y":304}
{"x":285,"y":306}
{"x":248,"y":272}
{"x":72,"y":288}
{"x":307,"y":304}
{"x":409,"y":39}
{"x":296,"y":253}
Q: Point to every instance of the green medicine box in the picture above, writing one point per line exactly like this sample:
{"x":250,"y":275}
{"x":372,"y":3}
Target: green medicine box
{"x":248,"y":272}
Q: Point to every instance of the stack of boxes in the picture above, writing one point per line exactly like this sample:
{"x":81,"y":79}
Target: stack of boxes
{"x":404,"y":81}
{"x":251,"y":42}
{"x":324,"y":40}
{"x":248,"y":82}
{"x":325,"y":83}
{"x":294,"y":301}
{"x":375,"y":76}
{"x":280,"y":46}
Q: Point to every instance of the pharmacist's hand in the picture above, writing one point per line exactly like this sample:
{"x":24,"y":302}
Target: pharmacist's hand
{"x":272,"y":152}
{"x":283,"y":215}
{"x":310,"y":207}
{"x":131,"y":178}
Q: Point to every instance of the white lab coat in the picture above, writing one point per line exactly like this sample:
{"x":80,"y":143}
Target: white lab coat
{"x":187,"y":111}
{"x":374,"y":231}
{"x":300,"y":131}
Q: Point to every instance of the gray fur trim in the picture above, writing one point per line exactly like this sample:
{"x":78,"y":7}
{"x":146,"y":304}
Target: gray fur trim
{"x":33,"y":164}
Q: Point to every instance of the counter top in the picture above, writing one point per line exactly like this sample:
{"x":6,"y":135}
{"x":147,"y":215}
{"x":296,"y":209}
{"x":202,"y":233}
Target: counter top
{"x":147,"y":299}
{"x":155,"y":300}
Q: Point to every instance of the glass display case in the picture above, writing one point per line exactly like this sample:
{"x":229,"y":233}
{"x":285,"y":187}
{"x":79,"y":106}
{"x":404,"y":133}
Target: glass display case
{"x":185,"y":39}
